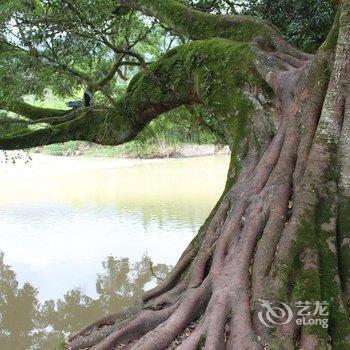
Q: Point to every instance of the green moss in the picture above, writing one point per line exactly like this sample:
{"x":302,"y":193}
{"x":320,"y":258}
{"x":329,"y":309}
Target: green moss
{"x":307,"y":285}
{"x":285,"y":269}
{"x":317,"y":232}
{"x":319,"y":74}
{"x":275,"y":344}
{"x":199,"y":25}
{"x":201,"y":343}
{"x":212,"y":71}
{"x":332,"y":38}
{"x":61,"y":346}
{"x":339,"y":327}
{"x":308,"y":289}
{"x":344,"y":237}
{"x":33,"y":112}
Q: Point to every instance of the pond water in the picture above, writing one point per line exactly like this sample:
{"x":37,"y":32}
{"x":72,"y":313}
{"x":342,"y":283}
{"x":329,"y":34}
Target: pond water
{"x":78,"y":235}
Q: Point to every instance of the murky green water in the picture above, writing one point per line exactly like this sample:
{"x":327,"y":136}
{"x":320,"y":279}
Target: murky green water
{"x":78,"y":234}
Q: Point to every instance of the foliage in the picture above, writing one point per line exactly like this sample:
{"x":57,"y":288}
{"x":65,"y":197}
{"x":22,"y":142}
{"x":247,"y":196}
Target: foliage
{"x":219,"y":6}
{"x":64,"y":46}
{"x":54,"y":51}
{"x":304,"y":24}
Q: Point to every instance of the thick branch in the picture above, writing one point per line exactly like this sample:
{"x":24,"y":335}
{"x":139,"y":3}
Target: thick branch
{"x":56,"y":134}
{"x":32,"y":112}
{"x":201,"y":25}
{"x":113,"y":71}
{"x":208,"y":72}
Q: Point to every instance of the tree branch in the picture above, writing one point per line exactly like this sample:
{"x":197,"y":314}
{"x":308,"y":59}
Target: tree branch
{"x":209,"y":72}
{"x":201,"y":25}
{"x":32,"y":112}
{"x":197,"y":117}
{"x":110,"y":75}
{"x":197,"y":25}
{"x":49,"y":135}
{"x":51,"y":62}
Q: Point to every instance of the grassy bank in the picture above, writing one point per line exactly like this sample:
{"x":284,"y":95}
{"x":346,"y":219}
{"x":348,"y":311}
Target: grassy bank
{"x":134,"y":149}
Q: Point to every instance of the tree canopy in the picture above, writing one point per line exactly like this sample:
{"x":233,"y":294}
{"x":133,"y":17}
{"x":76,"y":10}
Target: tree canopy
{"x":304,"y":24}
{"x":70,"y":46}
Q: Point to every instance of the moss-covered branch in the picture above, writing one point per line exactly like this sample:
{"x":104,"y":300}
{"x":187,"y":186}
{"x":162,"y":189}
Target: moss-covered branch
{"x":32,"y":112}
{"x":72,"y":130}
{"x":213,"y":72}
{"x":201,"y":25}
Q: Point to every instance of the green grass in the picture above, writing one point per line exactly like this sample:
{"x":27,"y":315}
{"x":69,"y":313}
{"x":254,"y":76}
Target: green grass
{"x":133,"y":149}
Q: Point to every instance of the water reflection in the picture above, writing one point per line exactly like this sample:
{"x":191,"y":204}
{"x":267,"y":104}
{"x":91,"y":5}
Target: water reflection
{"x":60,"y":214}
{"x":26,"y":323}
{"x":60,"y":217}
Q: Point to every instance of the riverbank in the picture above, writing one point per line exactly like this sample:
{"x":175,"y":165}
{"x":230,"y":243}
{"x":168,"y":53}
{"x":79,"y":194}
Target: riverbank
{"x":22,"y":165}
{"x":133,"y":150}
